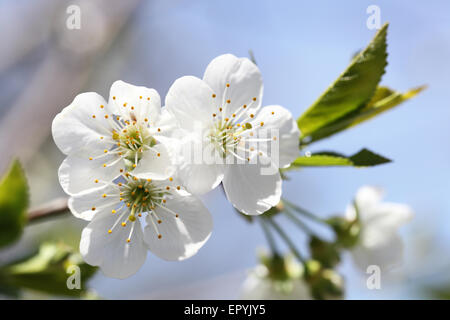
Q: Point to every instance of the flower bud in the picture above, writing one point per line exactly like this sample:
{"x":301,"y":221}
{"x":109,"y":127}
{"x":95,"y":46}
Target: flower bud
{"x":347,"y":231}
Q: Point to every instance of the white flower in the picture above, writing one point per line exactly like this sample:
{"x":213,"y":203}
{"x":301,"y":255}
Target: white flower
{"x":378,"y":242}
{"x":177,"y":224}
{"x":259,"y":285}
{"x":102,"y":140}
{"x":224,"y":110}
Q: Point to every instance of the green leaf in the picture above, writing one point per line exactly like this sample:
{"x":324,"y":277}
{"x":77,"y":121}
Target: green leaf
{"x":13,"y":204}
{"x":47,"y":271}
{"x":351,"y":90}
{"x":384,"y":99}
{"x":364,"y":158}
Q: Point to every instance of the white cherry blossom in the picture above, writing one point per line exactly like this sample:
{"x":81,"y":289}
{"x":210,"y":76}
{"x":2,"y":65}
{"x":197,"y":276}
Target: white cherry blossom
{"x":104,"y":139}
{"x":222,"y":114}
{"x":177,"y":224}
{"x":378,"y":243}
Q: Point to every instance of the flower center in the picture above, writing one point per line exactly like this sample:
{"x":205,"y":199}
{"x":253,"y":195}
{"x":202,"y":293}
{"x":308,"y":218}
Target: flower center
{"x":132,"y":140}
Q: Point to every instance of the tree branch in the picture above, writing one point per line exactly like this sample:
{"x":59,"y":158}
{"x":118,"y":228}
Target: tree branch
{"x":48,"y":210}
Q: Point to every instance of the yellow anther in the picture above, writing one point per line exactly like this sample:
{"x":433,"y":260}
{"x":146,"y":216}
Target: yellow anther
{"x":234,"y":115}
{"x":148,"y":98}
{"x":125,"y":104}
{"x":124,"y":224}
{"x":93,"y":208}
{"x":104,"y":195}
{"x":105,"y":151}
{"x":226,"y":119}
{"x":121,"y":170}
{"x":244,"y":106}
{"x":164,"y":201}
{"x":274,"y":138}
{"x":214,"y":115}
{"x":146,"y":119}
{"x":254,"y":98}
{"x":220,"y":109}
{"x":140,"y":97}
{"x":159,"y":236}
{"x":134,"y":165}
{"x":109,"y":231}
{"x":167,"y":188}
{"x":159,"y":129}
{"x":119,"y":184}
{"x":114,"y":97}
{"x":159,"y":221}
{"x":159,"y":154}
{"x":106,"y":116}
{"x":104,"y":165}
{"x":171,"y":179}
{"x":176,"y":216}
{"x":262,"y":123}
{"x":132,"y":108}
{"x":101,"y":138}
{"x":135,"y":178}
{"x":90,"y":158}
{"x":273,"y":112}
{"x":178,"y":187}
{"x":128,"y":204}
{"x":213,"y":95}
{"x":149,"y":180}
{"x":228,"y":85}
{"x":102,"y":106}
{"x":128,"y":240}
{"x":113,"y":211}
{"x":252,"y":115}
{"x":96,"y":181}
{"x":228,"y":101}
{"x":93,"y":116}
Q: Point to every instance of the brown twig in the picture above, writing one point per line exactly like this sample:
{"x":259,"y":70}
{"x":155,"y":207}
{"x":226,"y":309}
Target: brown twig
{"x":51,"y":209}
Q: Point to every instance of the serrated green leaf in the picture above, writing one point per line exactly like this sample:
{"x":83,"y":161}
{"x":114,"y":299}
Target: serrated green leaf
{"x":13,"y":204}
{"x":352,"y":89}
{"x":47,"y":271}
{"x":364,"y":158}
{"x":384,"y":99}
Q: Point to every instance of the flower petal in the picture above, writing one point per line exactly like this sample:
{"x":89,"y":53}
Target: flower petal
{"x":80,"y":174}
{"x":155,"y":164}
{"x":190,"y":100}
{"x":116,"y":257}
{"x":278,"y":120}
{"x":127,"y":99}
{"x":250,"y":191}
{"x":181,"y":237}
{"x":89,"y":204}
{"x":387,"y":255}
{"x":368,"y":197}
{"x":80,"y":125}
{"x":244,"y":80}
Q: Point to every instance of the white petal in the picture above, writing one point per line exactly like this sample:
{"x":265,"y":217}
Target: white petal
{"x":127,"y":100}
{"x":75,"y":127}
{"x":80,"y":174}
{"x":244,"y":79}
{"x":385,"y":256}
{"x":250,"y":191}
{"x":278,"y":121}
{"x":82,"y":205}
{"x":111,"y":252}
{"x":198,"y":168}
{"x":181,"y":237}
{"x":190,"y":100}
{"x":152,"y":166}
{"x":368,"y":197}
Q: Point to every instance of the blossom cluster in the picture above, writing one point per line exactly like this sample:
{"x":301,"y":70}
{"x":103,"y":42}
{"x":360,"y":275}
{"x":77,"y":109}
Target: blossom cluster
{"x":129,"y":169}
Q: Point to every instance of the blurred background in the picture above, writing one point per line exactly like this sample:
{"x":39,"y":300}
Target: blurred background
{"x":300,"y":47}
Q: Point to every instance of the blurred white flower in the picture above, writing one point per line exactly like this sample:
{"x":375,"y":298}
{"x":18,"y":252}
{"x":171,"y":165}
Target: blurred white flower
{"x":378,"y":241}
{"x":177,"y":224}
{"x":102,"y":140}
{"x":224,"y":110}
{"x":283,"y":283}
